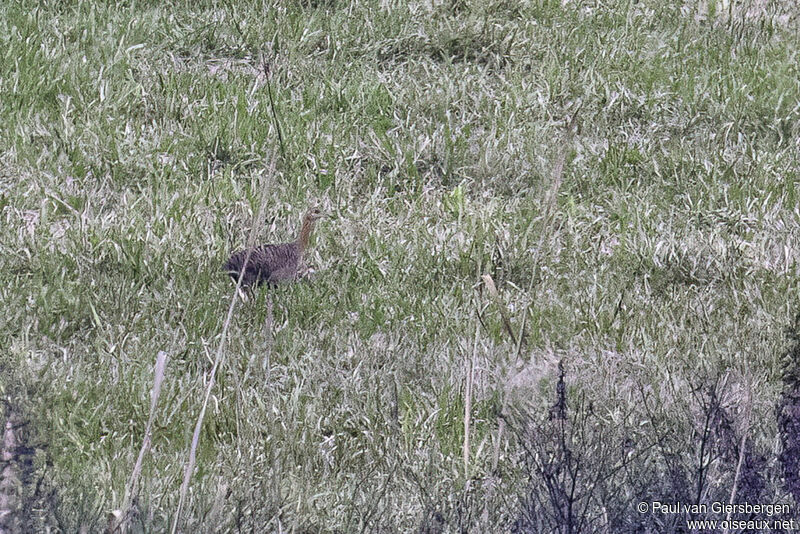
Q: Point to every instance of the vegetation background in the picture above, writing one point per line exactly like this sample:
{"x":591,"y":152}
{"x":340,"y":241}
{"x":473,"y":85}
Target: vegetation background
{"x":625,"y":173}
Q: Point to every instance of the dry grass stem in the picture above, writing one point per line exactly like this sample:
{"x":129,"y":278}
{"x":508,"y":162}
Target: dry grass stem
{"x":9,"y":477}
{"x":119,"y":521}
{"x":469,"y":368}
{"x":219,"y":358}
{"x":490,"y":286}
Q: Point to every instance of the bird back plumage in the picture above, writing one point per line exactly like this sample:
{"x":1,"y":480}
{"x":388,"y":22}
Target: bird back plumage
{"x":267,"y":264}
{"x":272,"y":263}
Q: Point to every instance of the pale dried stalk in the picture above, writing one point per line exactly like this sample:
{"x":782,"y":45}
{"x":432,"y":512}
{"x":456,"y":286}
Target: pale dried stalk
{"x":219,"y":359}
{"x":549,"y":206}
{"x":470,"y":367}
{"x":501,"y":425}
{"x":550,"y":197}
{"x":489,"y":283}
{"x":9,"y":481}
{"x":118,"y":520}
{"x":742,"y":444}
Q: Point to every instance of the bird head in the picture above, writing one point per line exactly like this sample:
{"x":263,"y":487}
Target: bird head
{"x":314,"y":214}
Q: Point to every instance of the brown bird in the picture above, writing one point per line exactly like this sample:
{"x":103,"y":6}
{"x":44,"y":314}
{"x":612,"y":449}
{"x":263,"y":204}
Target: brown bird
{"x":270,"y":264}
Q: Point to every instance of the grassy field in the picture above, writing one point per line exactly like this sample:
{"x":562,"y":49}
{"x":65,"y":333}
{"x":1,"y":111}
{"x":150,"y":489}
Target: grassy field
{"x":625,"y":172}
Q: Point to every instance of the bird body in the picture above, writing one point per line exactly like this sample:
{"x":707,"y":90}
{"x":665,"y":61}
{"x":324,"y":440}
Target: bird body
{"x":270,"y":264}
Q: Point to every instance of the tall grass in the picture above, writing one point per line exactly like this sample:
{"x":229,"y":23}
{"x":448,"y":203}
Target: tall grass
{"x":624,"y":174}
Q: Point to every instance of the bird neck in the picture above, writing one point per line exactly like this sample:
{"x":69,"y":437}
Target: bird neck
{"x":305,"y":233}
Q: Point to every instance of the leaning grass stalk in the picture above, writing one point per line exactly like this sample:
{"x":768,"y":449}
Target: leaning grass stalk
{"x":275,"y":120}
{"x":501,"y":425}
{"x":133,"y":483}
{"x":9,"y":474}
{"x":551,"y":195}
{"x":546,"y":231}
{"x":489,"y":283}
{"x":219,"y":359}
{"x":742,"y":445}
{"x":470,"y":366}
